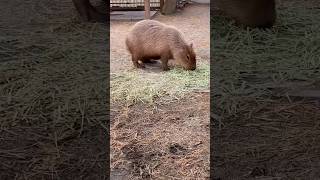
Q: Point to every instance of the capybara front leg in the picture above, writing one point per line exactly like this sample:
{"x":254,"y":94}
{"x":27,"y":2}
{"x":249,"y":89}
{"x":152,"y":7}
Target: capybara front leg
{"x":164,"y":63}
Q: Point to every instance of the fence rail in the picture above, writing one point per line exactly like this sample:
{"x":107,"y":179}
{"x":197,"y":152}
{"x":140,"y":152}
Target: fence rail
{"x":132,"y":4}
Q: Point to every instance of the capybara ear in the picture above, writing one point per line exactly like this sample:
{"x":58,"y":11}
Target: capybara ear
{"x":191,"y":45}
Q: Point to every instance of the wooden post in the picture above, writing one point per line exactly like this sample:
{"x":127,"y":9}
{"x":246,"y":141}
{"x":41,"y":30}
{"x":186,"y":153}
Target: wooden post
{"x":161,"y":5}
{"x":147,"y":9}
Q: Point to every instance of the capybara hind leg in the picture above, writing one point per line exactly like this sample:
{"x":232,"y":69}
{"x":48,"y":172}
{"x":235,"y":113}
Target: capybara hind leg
{"x":141,"y":65}
{"x":136,"y":63}
{"x":164,"y":63}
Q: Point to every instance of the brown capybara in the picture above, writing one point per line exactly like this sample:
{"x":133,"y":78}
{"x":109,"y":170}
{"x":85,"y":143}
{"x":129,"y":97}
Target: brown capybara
{"x":250,"y":13}
{"x":150,"y":39}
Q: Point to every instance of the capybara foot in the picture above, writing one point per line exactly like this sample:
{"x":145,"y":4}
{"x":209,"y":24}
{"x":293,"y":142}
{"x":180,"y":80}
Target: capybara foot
{"x":138,"y":65}
{"x":141,"y":66}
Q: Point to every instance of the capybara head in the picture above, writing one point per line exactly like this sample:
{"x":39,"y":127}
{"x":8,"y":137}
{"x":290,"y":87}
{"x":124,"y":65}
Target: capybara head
{"x":187,"y":57}
{"x":250,"y":13}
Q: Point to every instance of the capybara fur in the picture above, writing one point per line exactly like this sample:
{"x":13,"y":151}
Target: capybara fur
{"x":250,"y":13}
{"x":150,"y":39}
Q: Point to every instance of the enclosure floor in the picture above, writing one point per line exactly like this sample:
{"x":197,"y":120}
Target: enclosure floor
{"x":129,"y":15}
{"x":168,"y":139}
{"x":193,"y":21}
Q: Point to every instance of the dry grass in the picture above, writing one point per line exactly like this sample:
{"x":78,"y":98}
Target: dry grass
{"x":255,"y":63}
{"x":164,"y":141}
{"x":53,"y":93}
{"x":138,"y":86}
{"x":160,"y":120}
{"x":259,"y":131}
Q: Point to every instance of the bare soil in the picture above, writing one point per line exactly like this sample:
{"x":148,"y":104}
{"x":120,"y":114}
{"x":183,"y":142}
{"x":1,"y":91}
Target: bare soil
{"x":163,"y":140}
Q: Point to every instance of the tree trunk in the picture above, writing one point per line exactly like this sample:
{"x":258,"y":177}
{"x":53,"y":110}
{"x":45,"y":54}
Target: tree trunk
{"x":147,"y":9}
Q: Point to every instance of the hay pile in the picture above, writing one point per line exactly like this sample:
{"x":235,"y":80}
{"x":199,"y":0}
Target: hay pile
{"x":53,"y":93}
{"x":138,"y":86}
{"x":259,"y":130}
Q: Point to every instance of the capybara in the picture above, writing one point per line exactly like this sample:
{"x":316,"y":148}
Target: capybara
{"x":88,"y":12}
{"x":250,"y":13}
{"x":150,"y":39}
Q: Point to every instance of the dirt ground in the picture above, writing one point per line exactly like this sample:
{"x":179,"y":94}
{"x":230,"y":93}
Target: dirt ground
{"x":162,"y":140}
{"x":53,"y":92}
{"x":268,"y":137}
{"x":53,"y":101}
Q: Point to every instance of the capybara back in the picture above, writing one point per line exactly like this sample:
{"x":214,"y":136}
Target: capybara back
{"x":150,"y":39}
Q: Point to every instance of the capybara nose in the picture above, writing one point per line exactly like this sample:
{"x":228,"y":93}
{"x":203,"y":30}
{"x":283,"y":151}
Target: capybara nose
{"x":191,"y":68}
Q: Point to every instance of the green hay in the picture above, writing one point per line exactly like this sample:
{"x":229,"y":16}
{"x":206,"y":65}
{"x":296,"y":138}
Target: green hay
{"x":250,"y":64}
{"x":146,"y":87}
{"x":53,"y":93}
